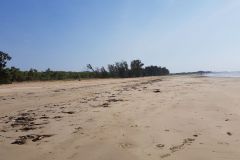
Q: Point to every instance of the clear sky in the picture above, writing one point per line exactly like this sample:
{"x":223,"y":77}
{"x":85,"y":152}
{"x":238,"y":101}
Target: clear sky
{"x":183,"y":35}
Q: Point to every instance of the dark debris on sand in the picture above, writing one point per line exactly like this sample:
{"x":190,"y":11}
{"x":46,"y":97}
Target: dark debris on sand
{"x":229,"y":133}
{"x":114,"y":100}
{"x":68,"y":112}
{"x":26,"y":121}
{"x":156,"y":91}
{"x":34,"y":137}
{"x":105,"y":104}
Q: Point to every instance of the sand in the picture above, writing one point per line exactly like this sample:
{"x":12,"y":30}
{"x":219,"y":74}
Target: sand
{"x":175,"y":117}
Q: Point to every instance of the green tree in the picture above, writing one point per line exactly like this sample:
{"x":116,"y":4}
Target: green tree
{"x":122,"y":69}
{"x":136,"y":68}
{"x":104,"y":73}
{"x":5,"y":75}
{"x":112,"y":70}
{"x":89,"y":66}
{"x":165,"y":71}
{"x":17,"y":75}
{"x":4,"y":58}
{"x":155,"y":71}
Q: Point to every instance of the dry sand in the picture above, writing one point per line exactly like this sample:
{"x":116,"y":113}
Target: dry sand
{"x":172,"y":118}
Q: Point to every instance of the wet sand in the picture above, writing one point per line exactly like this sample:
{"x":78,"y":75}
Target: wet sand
{"x":175,"y":117}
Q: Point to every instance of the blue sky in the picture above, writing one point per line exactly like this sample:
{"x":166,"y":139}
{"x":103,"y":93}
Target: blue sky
{"x":183,"y":35}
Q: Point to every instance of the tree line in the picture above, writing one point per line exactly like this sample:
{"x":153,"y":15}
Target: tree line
{"x":116,"y":70}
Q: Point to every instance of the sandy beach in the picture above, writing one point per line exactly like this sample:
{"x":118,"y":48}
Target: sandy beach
{"x":172,"y":117}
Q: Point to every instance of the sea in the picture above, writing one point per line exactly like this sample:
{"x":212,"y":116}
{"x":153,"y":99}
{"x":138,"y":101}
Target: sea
{"x":223,"y":74}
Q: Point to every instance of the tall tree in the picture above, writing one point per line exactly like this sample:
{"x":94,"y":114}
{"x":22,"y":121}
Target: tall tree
{"x":122,"y":69}
{"x":5,"y":75}
{"x":112,"y":70}
{"x":89,"y":66}
{"x":136,"y":68}
{"x":4,"y":57}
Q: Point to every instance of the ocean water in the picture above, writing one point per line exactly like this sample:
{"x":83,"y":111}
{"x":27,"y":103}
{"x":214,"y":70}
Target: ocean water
{"x":223,"y":74}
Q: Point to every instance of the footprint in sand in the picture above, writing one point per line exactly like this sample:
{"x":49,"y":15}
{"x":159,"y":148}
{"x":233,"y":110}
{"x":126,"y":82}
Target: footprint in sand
{"x":78,"y":129}
{"x":77,"y":147}
{"x":165,"y":155}
{"x":125,"y":145}
{"x":187,"y":141}
{"x":160,"y":145}
{"x":134,"y":126}
{"x":223,"y":143}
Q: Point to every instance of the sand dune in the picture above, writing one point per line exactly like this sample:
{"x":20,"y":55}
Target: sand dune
{"x":175,"y":117}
